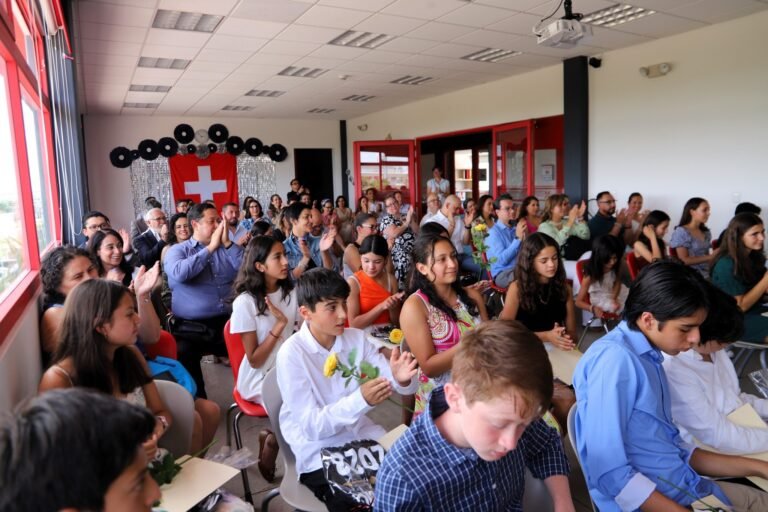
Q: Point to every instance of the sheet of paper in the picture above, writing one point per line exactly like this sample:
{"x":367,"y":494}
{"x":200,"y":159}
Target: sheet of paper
{"x":710,"y":501}
{"x":747,"y":416}
{"x":198,"y":478}
{"x":563,"y":363}
{"x":388,"y":439}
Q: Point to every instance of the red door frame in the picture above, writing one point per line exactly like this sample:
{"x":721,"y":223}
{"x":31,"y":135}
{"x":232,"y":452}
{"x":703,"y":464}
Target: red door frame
{"x":358,"y":174}
{"x":528,"y":126}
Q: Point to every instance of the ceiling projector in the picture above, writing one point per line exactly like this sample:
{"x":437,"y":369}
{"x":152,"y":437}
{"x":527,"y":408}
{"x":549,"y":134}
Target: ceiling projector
{"x":563,"y":33}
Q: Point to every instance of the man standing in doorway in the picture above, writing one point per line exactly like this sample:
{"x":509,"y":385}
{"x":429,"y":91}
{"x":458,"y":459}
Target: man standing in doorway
{"x":438,"y":185}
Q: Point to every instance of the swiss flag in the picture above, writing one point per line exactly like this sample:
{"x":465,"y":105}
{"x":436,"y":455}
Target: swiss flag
{"x":213,"y":178}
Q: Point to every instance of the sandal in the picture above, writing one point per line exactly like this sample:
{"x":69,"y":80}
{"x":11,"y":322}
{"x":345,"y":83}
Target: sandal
{"x":268,"y":449}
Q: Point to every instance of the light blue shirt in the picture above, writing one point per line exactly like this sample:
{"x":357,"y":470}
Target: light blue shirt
{"x":503,"y":245}
{"x":294,"y":255}
{"x":626,"y":441}
{"x":201,"y":281}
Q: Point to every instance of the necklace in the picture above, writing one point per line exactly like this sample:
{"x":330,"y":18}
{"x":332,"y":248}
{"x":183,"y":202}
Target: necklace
{"x":549,"y":295}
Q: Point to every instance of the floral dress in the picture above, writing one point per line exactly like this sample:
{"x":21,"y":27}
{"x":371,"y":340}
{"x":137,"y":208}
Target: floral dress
{"x":401,"y":251}
{"x":445,"y":335}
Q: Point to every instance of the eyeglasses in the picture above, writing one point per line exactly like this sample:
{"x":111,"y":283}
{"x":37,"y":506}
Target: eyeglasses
{"x":98,"y":226}
{"x":163,"y":219}
{"x":328,"y":206}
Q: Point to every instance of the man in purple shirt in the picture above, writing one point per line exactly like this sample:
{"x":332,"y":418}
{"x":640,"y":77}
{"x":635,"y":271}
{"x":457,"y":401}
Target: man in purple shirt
{"x":200,"y":274}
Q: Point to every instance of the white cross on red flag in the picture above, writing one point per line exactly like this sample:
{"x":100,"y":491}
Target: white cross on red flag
{"x":213,"y":178}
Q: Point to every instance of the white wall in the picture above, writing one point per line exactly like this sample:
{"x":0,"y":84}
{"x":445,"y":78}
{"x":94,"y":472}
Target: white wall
{"x":20,"y":366}
{"x":701,"y":130}
{"x":108,"y":185}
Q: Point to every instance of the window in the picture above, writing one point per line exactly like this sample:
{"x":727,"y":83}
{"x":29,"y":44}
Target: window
{"x":38,"y":174}
{"x":11,"y":234}
{"x":387,"y":169}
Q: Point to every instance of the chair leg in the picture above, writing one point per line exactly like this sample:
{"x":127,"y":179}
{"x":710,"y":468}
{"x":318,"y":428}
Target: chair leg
{"x":229,"y":423}
{"x":762,"y":359}
{"x":584,"y":332}
{"x":269,"y":497}
{"x":239,"y":444}
{"x":743,"y":364}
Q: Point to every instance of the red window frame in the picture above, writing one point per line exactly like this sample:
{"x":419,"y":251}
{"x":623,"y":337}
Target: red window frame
{"x":20,"y":77}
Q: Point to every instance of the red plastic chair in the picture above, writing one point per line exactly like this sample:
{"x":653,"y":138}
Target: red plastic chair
{"x":607,"y":317}
{"x":673,"y":253}
{"x":165,"y":347}
{"x":236,"y":353}
{"x":635,"y":264}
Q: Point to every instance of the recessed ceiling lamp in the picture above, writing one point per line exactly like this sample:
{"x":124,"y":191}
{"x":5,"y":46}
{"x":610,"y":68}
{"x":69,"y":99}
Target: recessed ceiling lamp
{"x":491,"y":55}
{"x":182,"y":20}
{"x":358,"y":97}
{"x":616,"y":15}
{"x":163,"y":63}
{"x":140,"y":105}
{"x":264,"y":94}
{"x":149,"y":88}
{"x":302,"y":72}
{"x":321,"y":110}
{"x":356,"y":39}
{"x":238,"y":108}
{"x":411,"y":80}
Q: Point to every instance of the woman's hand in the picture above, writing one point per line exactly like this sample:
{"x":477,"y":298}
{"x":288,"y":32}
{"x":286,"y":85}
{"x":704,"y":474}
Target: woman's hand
{"x":328,"y":238}
{"x":126,"y":240}
{"x":649,"y":232}
{"x":146,"y":280}
{"x":560,"y":338}
{"x":403,"y":366}
{"x":599,"y":313}
{"x":115,"y":275}
{"x":280,"y":319}
{"x":150,"y":445}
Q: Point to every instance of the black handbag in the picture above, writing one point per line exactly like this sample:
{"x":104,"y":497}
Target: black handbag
{"x":189,"y":330}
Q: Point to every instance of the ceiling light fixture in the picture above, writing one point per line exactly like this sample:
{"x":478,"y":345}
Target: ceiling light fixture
{"x":264,"y":94}
{"x":238,"y":108}
{"x":491,"y":55}
{"x":140,"y":105}
{"x":321,"y":110}
{"x":302,"y":72}
{"x":358,"y":97}
{"x":149,"y":88}
{"x":354,"y":39}
{"x":182,"y":20}
{"x":616,"y":15}
{"x":411,"y":80}
{"x":163,"y":63}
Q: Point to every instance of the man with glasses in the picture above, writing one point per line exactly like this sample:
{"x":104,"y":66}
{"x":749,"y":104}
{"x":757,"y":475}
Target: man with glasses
{"x":93,"y":221}
{"x":604,"y":222}
{"x":433,"y":208}
{"x":504,"y":241}
{"x":150,"y":243}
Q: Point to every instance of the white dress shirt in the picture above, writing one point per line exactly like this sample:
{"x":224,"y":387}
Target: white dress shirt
{"x":458,"y":229}
{"x":319,"y":411}
{"x":704,"y":394}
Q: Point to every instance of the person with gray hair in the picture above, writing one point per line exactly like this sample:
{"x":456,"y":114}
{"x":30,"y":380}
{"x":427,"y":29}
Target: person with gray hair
{"x":150,"y":243}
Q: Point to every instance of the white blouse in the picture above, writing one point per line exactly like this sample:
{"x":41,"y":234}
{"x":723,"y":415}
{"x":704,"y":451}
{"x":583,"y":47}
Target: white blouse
{"x":703,"y":394}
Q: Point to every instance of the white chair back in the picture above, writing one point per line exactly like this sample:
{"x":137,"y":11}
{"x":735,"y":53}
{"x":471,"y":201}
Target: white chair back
{"x":181,"y":405}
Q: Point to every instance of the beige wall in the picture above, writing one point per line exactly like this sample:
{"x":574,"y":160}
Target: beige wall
{"x":20,"y":366}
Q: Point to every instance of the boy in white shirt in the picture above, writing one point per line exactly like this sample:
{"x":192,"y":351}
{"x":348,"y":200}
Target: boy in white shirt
{"x":321,"y":412}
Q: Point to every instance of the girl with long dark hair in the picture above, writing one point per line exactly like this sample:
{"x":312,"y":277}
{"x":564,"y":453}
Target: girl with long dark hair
{"x":106,"y":249}
{"x":650,"y":244}
{"x":739,"y":270}
{"x":529,"y":213}
{"x":437,"y":312}
{"x":373,"y":297}
{"x":692,"y":239}
{"x":601,"y":278}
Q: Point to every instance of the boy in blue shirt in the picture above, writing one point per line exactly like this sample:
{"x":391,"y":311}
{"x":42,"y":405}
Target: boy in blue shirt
{"x":471,"y":446}
{"x":631,"y":452}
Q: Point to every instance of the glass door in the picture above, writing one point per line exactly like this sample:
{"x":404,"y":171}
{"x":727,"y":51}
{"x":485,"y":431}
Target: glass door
{"x":386,"y":166}
{"x":513,"y":169}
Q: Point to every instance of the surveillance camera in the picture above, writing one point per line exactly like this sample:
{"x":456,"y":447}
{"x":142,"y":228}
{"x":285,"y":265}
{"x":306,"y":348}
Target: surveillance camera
{"x":595,"y":62}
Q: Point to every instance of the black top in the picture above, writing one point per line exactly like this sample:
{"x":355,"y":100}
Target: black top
{"x":551,"y":308}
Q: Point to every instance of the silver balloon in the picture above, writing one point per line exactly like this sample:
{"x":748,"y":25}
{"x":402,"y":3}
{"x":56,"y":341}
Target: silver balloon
{"x":203,"y":152}
{"x":201,"y":136}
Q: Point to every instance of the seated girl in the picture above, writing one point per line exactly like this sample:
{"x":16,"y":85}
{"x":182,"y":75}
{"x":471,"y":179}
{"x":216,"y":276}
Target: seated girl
{"x":373,"y":297}
{"x":601,"y":281}
{"x":365,"y":225}
{"x":106,"y":249}
{"x":437,"y":312}
{"x":650,"y":243}
{"x":265,"y":314}
{"x":97,"y":351}
{"x":704,"y":386}
{"x":692,"y":239}
{"x":739,"y":270}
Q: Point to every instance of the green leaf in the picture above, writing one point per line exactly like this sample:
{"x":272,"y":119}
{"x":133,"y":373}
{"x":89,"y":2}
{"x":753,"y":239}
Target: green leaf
{"x":349,"y":379}
{"x":352,"y":357}
{"x":346,"y":373}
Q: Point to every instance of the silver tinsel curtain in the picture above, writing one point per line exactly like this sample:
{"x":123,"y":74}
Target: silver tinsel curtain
{"x":255,"y":177}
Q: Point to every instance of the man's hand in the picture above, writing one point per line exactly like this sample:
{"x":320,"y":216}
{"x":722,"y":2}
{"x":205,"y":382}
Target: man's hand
{"x":376,"y":391}
{"x":243,"y":241}
{"x":216,"y":238}
{"x":164,"y":232}
{"x":225,"y":241}
{"x":403,"y":366}
{"x":520,"y":230}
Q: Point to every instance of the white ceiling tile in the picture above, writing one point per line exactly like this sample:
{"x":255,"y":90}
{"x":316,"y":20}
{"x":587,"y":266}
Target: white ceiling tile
{"x":137,"y":111}
{"x":468,"y":76}
{"x":530,"y":60}
{"x":112,"y":14}
{"x":386,"y":24}
{"x":260,"y":59}
{"x":612,"y":39}
{"x":104,"y":59}
{"x":333,"y":17}
{"x":250,"y":28}
{"x":305,"y":34}
{"x":659,"y":25}
{"x":234,"y":56}
{"x":205,"y":74}
{"x":109,"y":47}
{"x":203,"y":111}
{"x":136,"y":3}
{"x":358,"y":66}
{"x":144,"y":97}
{"x":408,"y":45}
{"x":282,"y":11}
{"x":282,"y":83}
{"x":518,"y":5}
{"x":212,"y":67}
{"x":580,"y":6}
{"x":161,"y":36}
{"x":477,"y":15}
{"x":289,"y":48}
{"x":211,"y":84}
{"x":113,"y":72}
{"x":339,"y":52}
{"x":424,"y":9}
{"x":220,"y":7}
{"x":225,"y":42}
{"x":156,"y":76}
{"x":455,"y":51}
{"x":433,"y":61}
{"x":365,"y":5}
{"x":118,"y":33}
{"x":714,"y":11}
{"x":169,"y":52}
{"x":252,"y":101}
{"x":381,"y":56}
{"x":489,"y":39}
{"x":660,"y":5}
{"x":317,"y":62}
{"x":440,"y":31}
{"x":518,"y":24}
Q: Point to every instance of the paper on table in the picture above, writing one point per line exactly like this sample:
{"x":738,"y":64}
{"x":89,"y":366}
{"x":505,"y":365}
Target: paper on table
{"x":709,"y":501}
{"x":564,"y":363}
{"x":197,"y":479}
{"x":388,"y":439}
{"x":746,"y":416}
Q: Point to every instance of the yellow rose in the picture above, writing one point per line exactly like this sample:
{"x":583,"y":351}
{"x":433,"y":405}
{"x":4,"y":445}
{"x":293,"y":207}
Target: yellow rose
{"x":329,"y":368}
{"x":396,"y":336}
{"x":481,"y":227}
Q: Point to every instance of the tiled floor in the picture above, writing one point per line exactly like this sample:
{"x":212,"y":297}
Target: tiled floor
{"x":219,"y":385}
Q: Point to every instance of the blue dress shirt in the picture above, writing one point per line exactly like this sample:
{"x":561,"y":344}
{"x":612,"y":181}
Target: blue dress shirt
{"x":627,"y":443}
{"x":425,"y":472}
{"x":503,"y":245}
{"x":201,"y":281}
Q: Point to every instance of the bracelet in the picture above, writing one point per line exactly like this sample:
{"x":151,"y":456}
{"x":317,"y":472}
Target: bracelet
{"x":467,"y":227}
{"x":163,"y":422}
{"x":146,"y":299}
